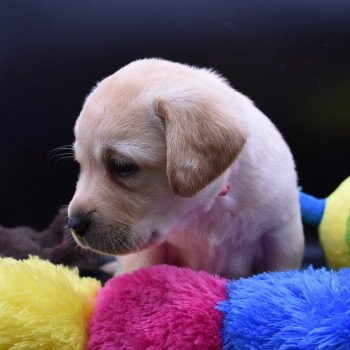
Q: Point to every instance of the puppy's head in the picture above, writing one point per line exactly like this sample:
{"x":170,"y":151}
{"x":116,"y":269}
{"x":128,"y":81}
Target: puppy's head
{"x":153,"y":141}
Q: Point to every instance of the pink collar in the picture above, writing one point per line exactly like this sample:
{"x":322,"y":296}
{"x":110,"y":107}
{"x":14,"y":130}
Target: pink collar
{"x":225,"y":190}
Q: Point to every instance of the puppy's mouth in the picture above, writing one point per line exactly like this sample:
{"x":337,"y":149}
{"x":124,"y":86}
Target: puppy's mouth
{"x":115,"y":241}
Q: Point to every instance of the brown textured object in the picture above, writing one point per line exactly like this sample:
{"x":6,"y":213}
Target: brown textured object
{"x":52,"y":244}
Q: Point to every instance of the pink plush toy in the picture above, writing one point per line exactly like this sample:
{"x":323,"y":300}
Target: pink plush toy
{"x":163,"y":307}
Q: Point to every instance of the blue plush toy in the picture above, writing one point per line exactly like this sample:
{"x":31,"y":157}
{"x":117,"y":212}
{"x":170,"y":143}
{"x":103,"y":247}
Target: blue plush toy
{"x":288,"y":310}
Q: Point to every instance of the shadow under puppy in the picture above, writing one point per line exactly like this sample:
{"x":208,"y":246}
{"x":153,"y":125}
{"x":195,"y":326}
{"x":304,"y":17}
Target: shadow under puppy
{"x":177,"y":167}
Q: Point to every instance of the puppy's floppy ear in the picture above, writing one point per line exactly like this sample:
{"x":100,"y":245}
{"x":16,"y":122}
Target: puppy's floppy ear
{"x":203,"y":138}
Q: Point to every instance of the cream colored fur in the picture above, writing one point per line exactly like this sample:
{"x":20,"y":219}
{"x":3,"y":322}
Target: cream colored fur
{"x":190,"y":134}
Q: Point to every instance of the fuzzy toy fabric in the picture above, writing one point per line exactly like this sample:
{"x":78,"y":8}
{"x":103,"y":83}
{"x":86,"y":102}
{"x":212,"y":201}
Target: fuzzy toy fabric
{"x":51,"y":244}
{"x":167,"y":307}
{"x":288,"y":310}
{"x":163,"y":307}
{"x":43,"y":306}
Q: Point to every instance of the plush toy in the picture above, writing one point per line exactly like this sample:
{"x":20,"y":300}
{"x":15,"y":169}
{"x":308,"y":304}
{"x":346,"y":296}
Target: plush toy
{"x":332,"y":218}
{"x":44,"y":306}
{"x":52,"y":244}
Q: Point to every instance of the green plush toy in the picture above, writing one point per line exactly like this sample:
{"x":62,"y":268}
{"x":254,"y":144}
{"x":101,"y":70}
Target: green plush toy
{"x":332,"y":218}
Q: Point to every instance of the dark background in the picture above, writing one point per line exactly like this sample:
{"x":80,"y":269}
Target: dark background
{"x":291,"y":57}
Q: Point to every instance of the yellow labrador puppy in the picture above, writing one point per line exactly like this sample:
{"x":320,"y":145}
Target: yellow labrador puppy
{"x":177,"y":167}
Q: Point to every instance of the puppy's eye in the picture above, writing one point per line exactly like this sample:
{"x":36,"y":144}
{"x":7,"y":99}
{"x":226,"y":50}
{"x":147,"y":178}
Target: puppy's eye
{"x":123,"y":169}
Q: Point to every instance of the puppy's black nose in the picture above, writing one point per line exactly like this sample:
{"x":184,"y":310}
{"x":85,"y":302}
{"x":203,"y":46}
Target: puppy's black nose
{"x":79,"y":224}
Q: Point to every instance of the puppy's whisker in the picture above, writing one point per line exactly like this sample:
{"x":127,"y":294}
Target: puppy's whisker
{"x":114,"y":250}
{"x":62,"y":156}
{"x":63,"y":147}
{"x":119,"y":245}
{"x":71,"y":241}
{"x":113,"y":242}
{"x":116,"y":245}
{"x":67,"y":149}
{"x":55,"y":154}
{"x":123,"y":243}
{"x":137,"y":243}
{"x":137,"y":246}
{"x":105,"y":244}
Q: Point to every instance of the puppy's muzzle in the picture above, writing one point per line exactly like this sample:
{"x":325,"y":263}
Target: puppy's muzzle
{"x":116,"y":240}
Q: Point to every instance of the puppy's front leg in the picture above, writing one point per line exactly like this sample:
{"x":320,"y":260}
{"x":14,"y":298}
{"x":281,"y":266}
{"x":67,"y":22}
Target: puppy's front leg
{"x":132,"y":262}
{"x":145,"y":258}
{"x":283,"y":247}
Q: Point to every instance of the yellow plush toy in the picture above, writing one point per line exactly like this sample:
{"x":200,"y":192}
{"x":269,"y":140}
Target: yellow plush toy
{"x":50,"y":304}
{"x":332,"y":217}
